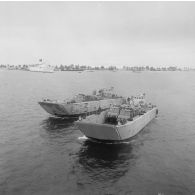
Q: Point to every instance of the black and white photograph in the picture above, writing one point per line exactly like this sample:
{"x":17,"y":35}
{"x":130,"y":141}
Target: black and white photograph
{"x":97,"y":97}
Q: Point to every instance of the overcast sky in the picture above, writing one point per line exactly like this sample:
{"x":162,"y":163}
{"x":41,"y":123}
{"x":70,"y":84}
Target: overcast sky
{"x":98,"y":33}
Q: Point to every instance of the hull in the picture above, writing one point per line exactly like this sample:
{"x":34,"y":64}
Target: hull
{"x":107,"y":132}
{"x":77,"y":109}
{"x":41,"y":69}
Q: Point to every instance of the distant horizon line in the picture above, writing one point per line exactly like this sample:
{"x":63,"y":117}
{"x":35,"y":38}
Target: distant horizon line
{"x":117,"y":66}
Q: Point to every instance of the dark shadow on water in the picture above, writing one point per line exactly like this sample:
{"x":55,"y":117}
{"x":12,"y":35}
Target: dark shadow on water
{"x":52,"y":123}
{"x":57,"y":130}
{"x":105,"y":162}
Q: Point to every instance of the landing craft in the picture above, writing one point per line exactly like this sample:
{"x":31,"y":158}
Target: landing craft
{"x":81,"y":104}
{"x":118,"y":123}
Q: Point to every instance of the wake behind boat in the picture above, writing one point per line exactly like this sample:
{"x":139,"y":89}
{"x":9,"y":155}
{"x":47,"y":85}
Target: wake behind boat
{"x":119,"y":123}
{"x":81,"y":104}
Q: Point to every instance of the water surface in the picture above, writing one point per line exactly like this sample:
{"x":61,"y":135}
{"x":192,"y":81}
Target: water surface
{"x":40,"y":154}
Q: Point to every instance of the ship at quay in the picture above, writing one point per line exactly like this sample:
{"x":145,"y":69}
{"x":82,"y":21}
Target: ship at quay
{"x":120,"y":122}
{"x":81,"y":104}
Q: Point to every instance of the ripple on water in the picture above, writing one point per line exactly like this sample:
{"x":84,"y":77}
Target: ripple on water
{"x":40,"y":154}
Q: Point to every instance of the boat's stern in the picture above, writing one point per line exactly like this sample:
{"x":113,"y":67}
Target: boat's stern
{"x":103,"y":132}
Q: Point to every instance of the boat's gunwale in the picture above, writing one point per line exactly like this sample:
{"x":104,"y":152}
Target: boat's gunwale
{"x":97,"y":124}
{"x":117,"y":126}
{"x":76,"y":103}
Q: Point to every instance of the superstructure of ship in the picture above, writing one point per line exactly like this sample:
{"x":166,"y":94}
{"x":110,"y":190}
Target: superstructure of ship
{"x":81,"y":104}
{"x":120,"y":122}
{"x":42,"y":66}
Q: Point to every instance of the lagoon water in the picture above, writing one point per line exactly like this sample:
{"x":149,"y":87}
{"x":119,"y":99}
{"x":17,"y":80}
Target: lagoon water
{"x":40,"y":154}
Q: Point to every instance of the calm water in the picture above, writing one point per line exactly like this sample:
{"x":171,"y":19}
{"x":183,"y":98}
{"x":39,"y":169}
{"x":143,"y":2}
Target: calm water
{"x":44,"y":155}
